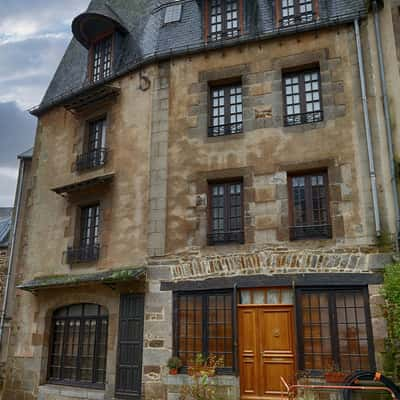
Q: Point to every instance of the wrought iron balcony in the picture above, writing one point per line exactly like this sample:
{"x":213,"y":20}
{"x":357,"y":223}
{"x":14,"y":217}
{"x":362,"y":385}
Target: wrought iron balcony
{"x":295,"y":20}
{"x":224,"y":35}
{"x":82,"y":254}
{"x":93,"y":159}
{"x":305,"y":118}
{"x":227,"y":129}
{"x":225,"y":237}
{"x":304,"y":232}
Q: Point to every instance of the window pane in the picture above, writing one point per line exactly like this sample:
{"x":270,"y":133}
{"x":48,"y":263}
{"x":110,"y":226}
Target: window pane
{"x":352,"y":330}
{"x":316,"y":331}
{"x":78,"y":348}
{"x":205,"y":314}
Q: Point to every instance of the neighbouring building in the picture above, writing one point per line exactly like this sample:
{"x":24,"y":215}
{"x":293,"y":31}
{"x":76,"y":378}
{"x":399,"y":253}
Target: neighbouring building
{"x":215,"y":177}
{"x":5,"y":229}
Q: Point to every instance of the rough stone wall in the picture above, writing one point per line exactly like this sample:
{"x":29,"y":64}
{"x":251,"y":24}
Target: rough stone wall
{"x":267,"y":152}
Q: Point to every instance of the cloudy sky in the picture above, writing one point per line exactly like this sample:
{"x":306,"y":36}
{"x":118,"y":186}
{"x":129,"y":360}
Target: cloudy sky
{"x":33,"y":37}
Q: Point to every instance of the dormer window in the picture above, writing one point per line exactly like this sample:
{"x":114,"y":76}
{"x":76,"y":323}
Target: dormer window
{"x":224,"y":19}
{"x":293,"y":12}
{"x":102,"y":59}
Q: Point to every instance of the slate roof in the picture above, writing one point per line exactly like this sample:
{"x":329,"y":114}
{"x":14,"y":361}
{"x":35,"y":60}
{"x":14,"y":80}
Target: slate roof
{"x":26,"y":154}
{"x":5,"y":225}
{"x":149,"y":39}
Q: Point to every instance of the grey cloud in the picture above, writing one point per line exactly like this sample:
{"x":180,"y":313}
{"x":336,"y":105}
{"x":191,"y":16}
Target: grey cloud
{"x":17,"y":129}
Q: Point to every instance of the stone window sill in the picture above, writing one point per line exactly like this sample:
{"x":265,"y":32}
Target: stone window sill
{"x":70,"y":392}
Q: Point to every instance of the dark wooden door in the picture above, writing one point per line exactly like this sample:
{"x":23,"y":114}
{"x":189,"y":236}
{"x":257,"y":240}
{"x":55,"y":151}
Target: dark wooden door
{"x":130,"y":347}
{"x":266,"y":350}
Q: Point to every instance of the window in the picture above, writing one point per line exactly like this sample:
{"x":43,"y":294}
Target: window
{"x":95,"y":153}
{"x":226,"y":110}
{"x":335,"y":330}
{"x":102,"y":59}
{"x":89,"y":239}
{"x":226,"y":213}
{"x":204,"y":325}
{"x":302,"y":96}
{"x":224,"y":19}
{"x":309,"y":207}
{"x":296,"y":11}
{"x":78,"y":345}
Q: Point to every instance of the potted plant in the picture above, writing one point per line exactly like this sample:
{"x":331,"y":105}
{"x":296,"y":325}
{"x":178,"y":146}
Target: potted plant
{"x":334,"y":375}
{"x":202,"y":366}
{"x":174,"y":363}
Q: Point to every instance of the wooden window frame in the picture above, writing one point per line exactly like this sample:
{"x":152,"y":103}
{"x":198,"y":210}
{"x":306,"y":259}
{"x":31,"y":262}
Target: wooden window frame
{"x":100,"y":318}
{"x":93,"y":157}
{"x":228,"y":128}
{"x":278,"y":13}
{"x":204,"y":295}
{"x":308,"y":199}
{"x":97,"y":41}
{"x":334,"y":336}
{"x":238,"y":236}
{"x":304,"y":117}
{"x":82,"y":254}
{"x":207,"y":21}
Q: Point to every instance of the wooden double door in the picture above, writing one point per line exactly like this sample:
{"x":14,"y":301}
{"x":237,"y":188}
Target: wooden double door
{"x":266,"y":349}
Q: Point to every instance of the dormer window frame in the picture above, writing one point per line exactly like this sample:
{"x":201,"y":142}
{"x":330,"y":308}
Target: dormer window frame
{"x":208,"y":34}
{"x":92,"y":54}
{"x":296,"y":19}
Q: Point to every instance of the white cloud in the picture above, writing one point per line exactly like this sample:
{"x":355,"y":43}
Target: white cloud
{"x":8,"y":173}
{"x":8,"y":183}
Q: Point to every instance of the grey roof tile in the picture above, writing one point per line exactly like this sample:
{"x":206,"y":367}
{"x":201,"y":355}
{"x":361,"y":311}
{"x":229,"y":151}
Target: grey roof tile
{"x":149,"y":38}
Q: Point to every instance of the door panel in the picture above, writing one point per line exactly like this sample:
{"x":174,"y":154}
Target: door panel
{"x":248,"y":352}
{"x":268,"y":338}
{"x":130,"y":347}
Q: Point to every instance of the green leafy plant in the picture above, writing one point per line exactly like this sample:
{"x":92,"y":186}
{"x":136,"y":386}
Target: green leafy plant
{"x":200,"y":370}
{"x":391,"y":294}
{"x":174,"y":363}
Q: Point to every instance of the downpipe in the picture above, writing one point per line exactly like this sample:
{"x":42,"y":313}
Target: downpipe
{"x":388,"y":125}
{"x":12,"y":245}
{"x":367,"y":125}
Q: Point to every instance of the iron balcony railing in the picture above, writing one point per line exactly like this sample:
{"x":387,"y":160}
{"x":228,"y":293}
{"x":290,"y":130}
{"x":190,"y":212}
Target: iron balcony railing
{"x":227,"y":129}
{"x":75,"y":255}
{"x":304,"y":118}
{"x":93,"y":159}
{"x":302,"y":232}
{"x":225,"y":237}
{"x":224,"y":35}
{"x":299,"y":19}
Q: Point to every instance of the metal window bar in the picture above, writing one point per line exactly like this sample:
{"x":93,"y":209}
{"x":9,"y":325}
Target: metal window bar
{"x":303,"y":118}
{"x":82,"y":254}
{"x":300,"y":232}
{"x":102,"y":59}
{"x":92,"y":159}
{"x":225,"y":129}
{"x":70,"y":356}
{"x":202,"y":327}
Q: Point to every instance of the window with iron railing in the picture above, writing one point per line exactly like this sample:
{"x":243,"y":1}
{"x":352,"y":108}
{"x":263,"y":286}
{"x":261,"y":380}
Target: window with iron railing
{"x":88,"y":249}
{"x":226,"y":110}
{"x":95,"y":154}
{"x":294,"y":12}
{"x":309,"y":217}
{"x":302,"y":97}
{"x":226,"y":213}
{"x":224,"y":19}
{"x":102,"y":58}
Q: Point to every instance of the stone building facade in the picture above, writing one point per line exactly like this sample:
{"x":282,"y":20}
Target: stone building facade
{"x":207,"y":177}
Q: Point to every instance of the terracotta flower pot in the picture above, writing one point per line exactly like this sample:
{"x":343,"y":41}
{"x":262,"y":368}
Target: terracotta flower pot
{"x":173,"y":371}
{"x":335,"y":377}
